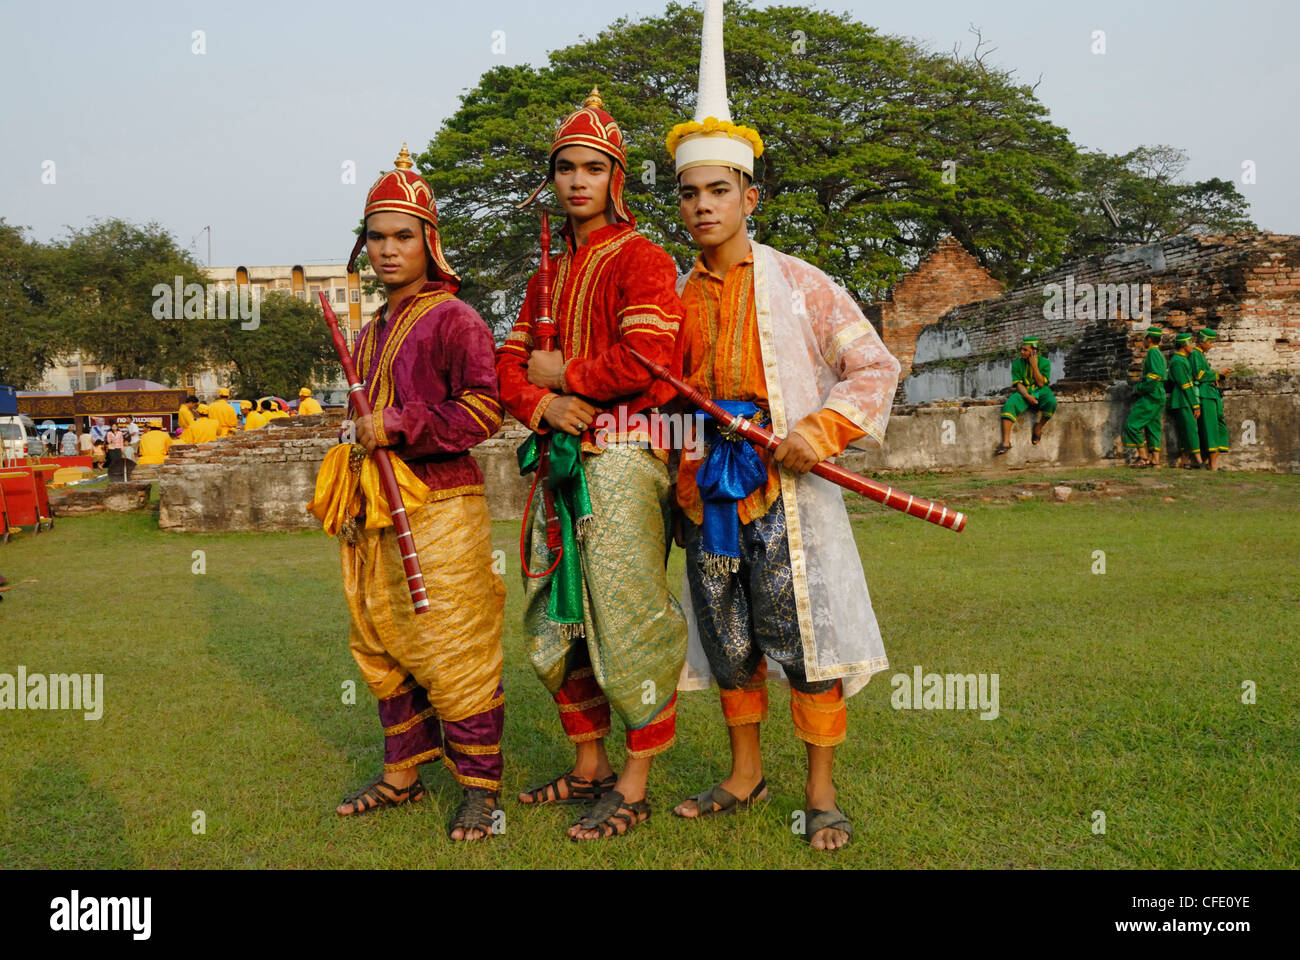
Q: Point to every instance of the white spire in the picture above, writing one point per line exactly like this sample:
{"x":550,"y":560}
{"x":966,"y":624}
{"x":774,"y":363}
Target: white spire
{"x":712,"y":100}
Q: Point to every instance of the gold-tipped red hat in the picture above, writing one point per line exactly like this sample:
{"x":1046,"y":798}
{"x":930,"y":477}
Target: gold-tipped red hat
{"x":402,"y":190}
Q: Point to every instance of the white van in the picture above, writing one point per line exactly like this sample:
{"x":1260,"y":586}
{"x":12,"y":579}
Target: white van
{"x":19,"y":438}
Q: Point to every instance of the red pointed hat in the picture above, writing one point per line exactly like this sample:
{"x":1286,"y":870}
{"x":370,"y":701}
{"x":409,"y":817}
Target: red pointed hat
{"x":402,"y":190}
{"x":590,"y":126}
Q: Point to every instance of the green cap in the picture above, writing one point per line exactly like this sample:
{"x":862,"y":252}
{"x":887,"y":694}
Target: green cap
{"x":1184,"y":337}
{"x":1206,"y":333}
{"x":1155,"y":332}
{"x":1030,"y":341}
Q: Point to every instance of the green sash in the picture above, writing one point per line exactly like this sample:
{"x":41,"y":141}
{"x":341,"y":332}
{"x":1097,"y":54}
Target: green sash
{"x":568,"y":486}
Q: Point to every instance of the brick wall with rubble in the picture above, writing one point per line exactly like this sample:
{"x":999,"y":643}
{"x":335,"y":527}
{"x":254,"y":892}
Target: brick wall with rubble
{"x":262,"y":480}
{"x":1247,"y":286}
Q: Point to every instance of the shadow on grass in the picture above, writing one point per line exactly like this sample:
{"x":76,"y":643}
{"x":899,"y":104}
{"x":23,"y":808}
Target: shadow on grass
{"x":59,"y":820}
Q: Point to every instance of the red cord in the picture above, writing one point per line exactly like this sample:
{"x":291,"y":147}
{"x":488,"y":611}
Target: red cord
{"x":523,"y":530}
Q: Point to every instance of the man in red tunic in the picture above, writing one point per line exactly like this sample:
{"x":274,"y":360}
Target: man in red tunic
{"x":427,"y":363}
{"x":606,"y":631}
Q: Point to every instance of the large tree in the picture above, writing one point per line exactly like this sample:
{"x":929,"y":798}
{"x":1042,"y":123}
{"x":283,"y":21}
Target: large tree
{"x":288,"y":348}
{"x":1151,"y":200}
{"x":31,"y":297}
{"x":860,"y":129}
{"x":111,"y":270}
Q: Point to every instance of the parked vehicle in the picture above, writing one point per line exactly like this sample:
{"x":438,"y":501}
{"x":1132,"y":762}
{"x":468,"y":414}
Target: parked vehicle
{"x":19,"y":438}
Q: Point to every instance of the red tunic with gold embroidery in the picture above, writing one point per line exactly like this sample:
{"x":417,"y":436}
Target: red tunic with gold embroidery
{"x":616,"y":292}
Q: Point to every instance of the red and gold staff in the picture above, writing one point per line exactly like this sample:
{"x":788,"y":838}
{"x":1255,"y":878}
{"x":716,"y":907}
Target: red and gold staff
{"x":430,"y":395}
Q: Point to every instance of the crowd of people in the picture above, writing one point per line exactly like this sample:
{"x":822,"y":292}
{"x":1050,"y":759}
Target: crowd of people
{"x":203,"y":422}
{"x":1185,"y":385}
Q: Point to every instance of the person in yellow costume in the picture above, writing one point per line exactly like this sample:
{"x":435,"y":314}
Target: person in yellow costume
{"x":202,"y":430}
{"x":307,"y":406}
{"x":185,"y":415}
{"x":270,"y":409}
{"x":154,"y":444}
{"x":256,"y":419}
{"x":223,"y":414}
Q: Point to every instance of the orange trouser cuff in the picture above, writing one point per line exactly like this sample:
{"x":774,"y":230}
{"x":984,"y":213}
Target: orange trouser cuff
{"x":749,"y":703}
{"x":820,"y":718}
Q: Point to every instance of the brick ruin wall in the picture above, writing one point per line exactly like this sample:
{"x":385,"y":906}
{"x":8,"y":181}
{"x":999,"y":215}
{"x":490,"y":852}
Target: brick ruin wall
{"x":1247,"y":286}
{"x":262,"y":480}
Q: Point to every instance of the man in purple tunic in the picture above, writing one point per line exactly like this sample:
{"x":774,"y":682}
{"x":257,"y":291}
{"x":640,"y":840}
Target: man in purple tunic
{"x":427,"y":359}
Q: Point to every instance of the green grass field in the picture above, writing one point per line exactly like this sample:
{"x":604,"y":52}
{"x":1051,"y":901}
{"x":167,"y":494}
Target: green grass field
{"x":1119,"y":692}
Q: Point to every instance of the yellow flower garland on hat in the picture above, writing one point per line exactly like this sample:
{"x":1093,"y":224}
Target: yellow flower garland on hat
{"x":713,"y":125}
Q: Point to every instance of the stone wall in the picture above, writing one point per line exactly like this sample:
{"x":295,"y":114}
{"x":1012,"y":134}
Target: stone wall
{"x":1085,"y":432}
{"x":259,"y":480}
{"x":262,"y":480}
{"x":1247,"y":286}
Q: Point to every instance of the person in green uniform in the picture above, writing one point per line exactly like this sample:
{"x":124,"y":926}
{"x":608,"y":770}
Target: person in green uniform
{"x":1185,"y":403}
{"x":1213,"y":426}
{"x":1142,"y":428}
{"x":1029,"y":375}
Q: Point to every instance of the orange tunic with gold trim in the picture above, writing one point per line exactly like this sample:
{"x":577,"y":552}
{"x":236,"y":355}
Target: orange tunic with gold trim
{"x":721,"y":357}
{"x":431,"y":383}
{"x":616,"y":292}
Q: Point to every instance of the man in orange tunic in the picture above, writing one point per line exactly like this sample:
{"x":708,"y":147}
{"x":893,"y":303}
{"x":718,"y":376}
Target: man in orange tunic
{"x":622,"y":640}
{"x":772,"y":571}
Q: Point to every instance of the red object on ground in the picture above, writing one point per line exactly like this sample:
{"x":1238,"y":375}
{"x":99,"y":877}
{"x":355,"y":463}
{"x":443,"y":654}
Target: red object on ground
{"x":26,"y":502}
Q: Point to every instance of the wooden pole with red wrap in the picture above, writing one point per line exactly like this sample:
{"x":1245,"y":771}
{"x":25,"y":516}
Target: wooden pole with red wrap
{"x":545,"y":333}
{"x":383,"y":460}
{"x":895,"y":499}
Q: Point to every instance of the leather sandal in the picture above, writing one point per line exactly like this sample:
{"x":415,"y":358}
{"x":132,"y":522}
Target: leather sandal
{"x":370,"y":797}
{"x":580,"y":790}
{"x":475,"y":813}
{"x":608,"y":813}
{"x":819,"y":820}
{"x":722,"y":798}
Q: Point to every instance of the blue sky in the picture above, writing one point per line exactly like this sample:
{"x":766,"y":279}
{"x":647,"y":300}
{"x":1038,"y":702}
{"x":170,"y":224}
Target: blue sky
{"x":250,"y":136}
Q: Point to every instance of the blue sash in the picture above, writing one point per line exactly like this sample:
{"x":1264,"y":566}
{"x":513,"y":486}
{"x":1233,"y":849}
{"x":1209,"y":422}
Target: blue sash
{"x":731,"y":471}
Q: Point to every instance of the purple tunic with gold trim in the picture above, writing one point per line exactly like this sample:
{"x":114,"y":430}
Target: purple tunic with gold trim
{"x":432,"y":382}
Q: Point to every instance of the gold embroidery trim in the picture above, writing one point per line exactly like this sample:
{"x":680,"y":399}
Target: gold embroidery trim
{"x":470,"y":410}
{"x":405,"y":725}
{"x":653,"y":751}
{"x":465,"y":781}
{"x":841,"y":341}
{"x":474,"y":749}
{"x":414,"y":761}
{"x":377,"y":424}
{"x":539,"y":410}
{"x":856,"y":417}
{"x":649,"y":323}
{"x":584,"y":705}
{"x":450,"y":492}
